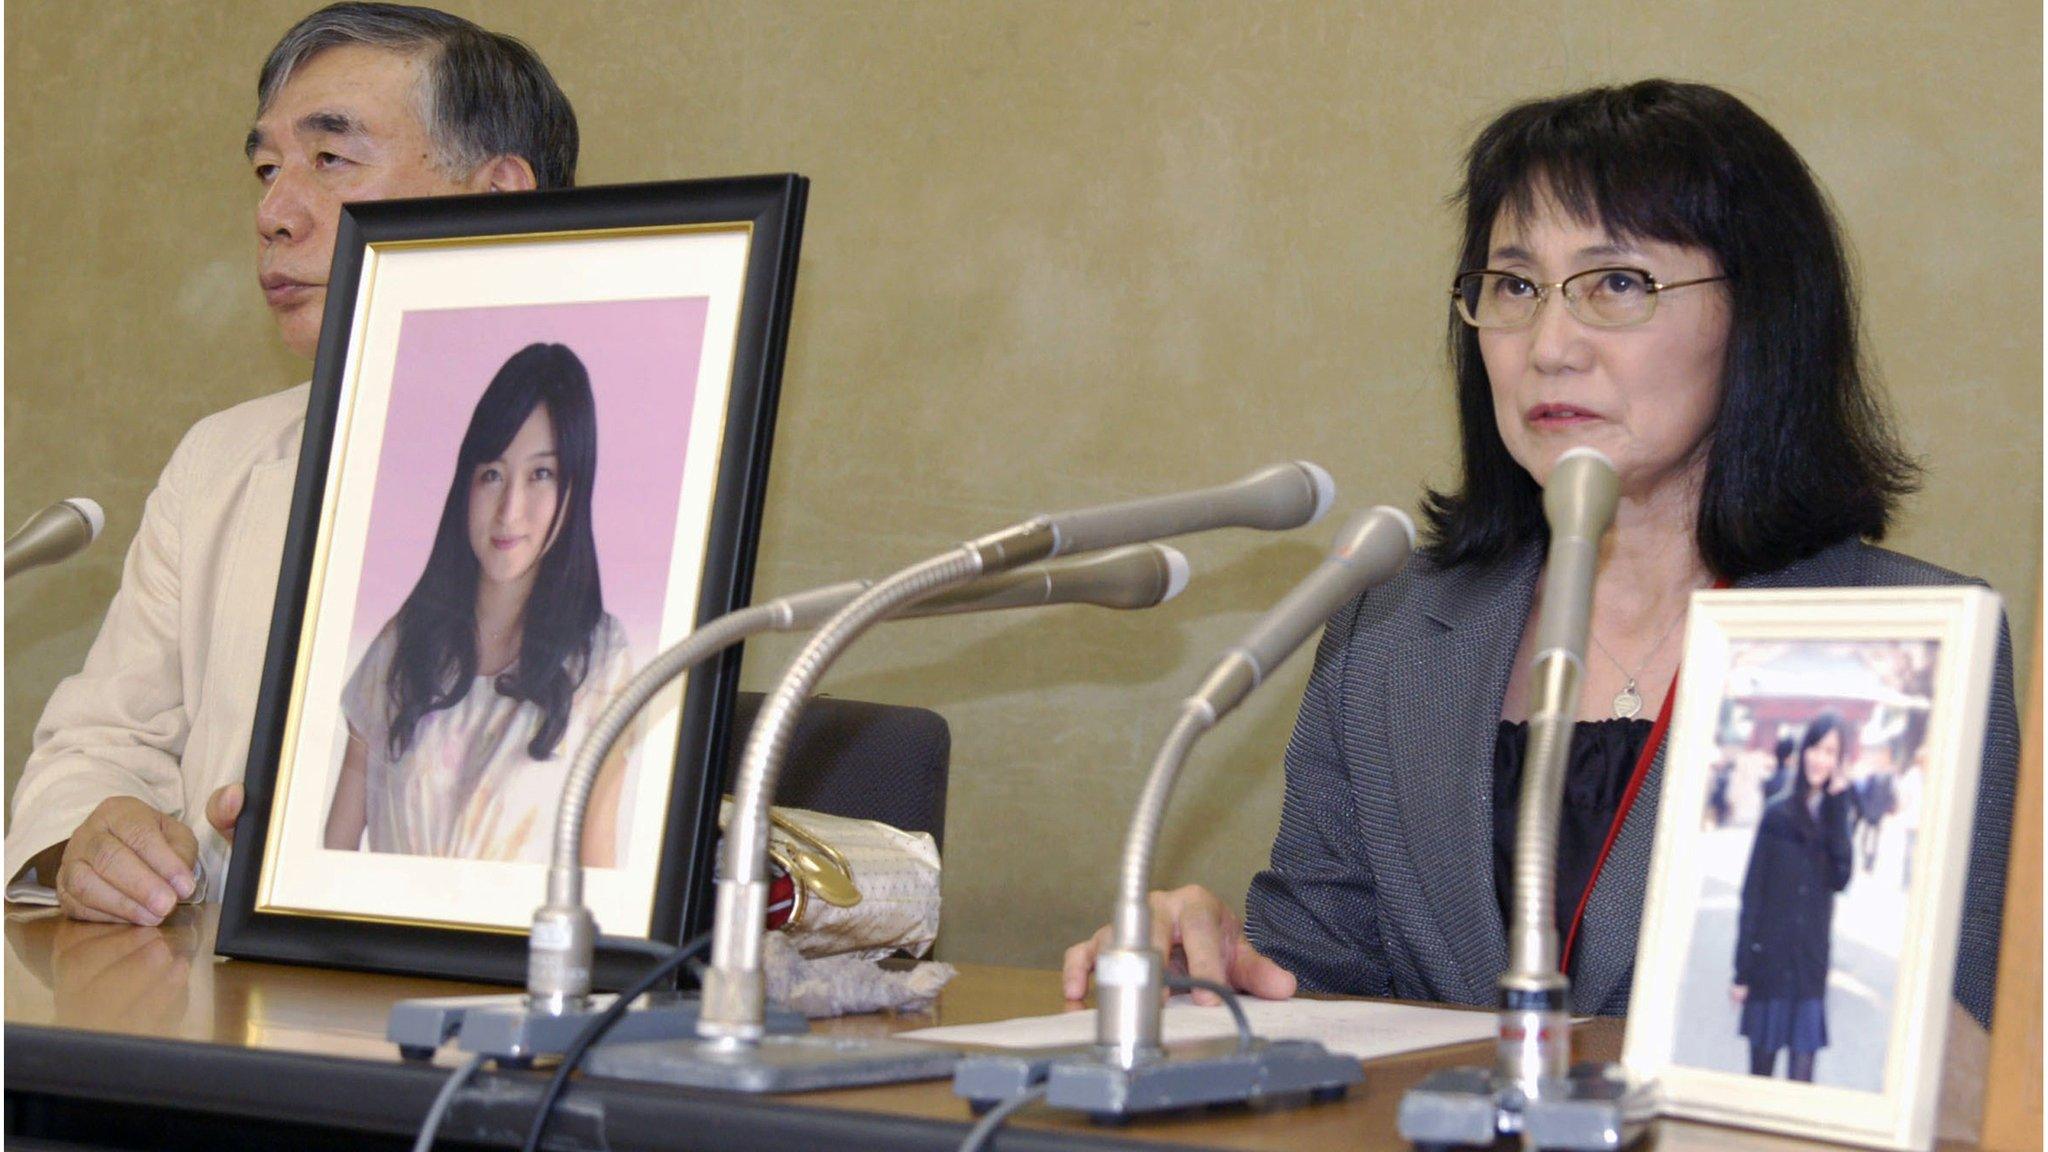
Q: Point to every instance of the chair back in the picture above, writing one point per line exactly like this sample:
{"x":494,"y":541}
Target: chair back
{"x":855,"y":758}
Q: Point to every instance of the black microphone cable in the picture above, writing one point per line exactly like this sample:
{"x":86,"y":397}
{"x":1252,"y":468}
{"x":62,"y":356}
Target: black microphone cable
{"x":595,"y":1030}
{"x":670,"y":960}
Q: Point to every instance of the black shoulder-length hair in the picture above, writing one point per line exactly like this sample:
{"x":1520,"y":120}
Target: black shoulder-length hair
{"x":435,"y":659}
{"x":1816,"y":731}
{"x":1803,"y":454}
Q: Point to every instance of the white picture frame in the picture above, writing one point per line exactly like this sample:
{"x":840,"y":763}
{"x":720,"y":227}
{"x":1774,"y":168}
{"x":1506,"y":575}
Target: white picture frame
{"x":1908,"y":671}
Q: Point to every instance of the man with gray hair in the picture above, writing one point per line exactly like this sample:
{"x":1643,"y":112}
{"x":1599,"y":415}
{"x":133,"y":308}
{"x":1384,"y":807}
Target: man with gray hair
{"x":128,"y":800}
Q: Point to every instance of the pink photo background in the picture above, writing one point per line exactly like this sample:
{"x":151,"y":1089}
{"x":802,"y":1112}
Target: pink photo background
{"x":642,"y":356}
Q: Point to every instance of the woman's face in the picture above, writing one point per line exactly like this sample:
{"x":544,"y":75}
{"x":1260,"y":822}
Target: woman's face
{"x":1822,"y":758}
{"x":512,"y":502}
{"x":1645,"y":396}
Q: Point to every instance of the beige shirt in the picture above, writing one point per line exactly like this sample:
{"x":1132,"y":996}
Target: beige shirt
{"x":163,"y":708}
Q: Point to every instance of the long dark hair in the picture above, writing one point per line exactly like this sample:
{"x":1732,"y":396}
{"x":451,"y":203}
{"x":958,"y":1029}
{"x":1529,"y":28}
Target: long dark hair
{"x":435,"y":658}
{"x":1781,"y":774}
{"x":1826,"y":722}
{"x":1803,"y":454}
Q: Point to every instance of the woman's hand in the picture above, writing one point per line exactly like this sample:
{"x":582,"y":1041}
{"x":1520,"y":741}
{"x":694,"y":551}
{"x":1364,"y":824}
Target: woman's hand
{"x":1200,"y":937}
{"x":1738,"y":992}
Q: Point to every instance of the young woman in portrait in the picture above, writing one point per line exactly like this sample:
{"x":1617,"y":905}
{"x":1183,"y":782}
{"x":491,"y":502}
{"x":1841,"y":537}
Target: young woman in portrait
{"x":466,"y":709}
{"x":1801,"y":858}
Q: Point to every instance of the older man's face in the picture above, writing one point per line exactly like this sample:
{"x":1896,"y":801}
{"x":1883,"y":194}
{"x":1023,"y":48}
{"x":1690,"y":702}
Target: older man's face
{"x":345,"y":127}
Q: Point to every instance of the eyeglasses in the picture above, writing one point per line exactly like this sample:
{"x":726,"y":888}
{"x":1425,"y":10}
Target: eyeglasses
{"x":1601,"y":297}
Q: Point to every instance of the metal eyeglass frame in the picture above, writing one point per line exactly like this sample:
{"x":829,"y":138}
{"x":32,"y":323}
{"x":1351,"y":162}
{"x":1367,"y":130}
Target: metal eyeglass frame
{"x":1654,"y":289}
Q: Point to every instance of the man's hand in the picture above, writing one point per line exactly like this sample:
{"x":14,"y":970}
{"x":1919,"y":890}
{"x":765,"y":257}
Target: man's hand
{"x":223,"y":808}
{"x":128,"y":863}
{"x":1200,"y":937}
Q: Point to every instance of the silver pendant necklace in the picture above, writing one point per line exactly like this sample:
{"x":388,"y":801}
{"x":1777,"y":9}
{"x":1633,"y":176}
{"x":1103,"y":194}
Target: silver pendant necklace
{"x":1629,"y":701}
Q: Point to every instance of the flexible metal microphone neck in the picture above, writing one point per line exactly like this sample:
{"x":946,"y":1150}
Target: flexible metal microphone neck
{"x":564,"y":939}
{"x":1129,"y":977}
{"x":735,"y":1005}
{"x":1579,"y":502}
{"x":564,"y":934}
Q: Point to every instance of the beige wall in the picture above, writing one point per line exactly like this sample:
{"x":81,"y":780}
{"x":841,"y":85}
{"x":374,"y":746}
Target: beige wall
{"x":1056,"y":254}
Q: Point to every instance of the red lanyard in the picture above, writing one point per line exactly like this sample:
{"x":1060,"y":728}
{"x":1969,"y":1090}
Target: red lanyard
{"x":1628,"y":799}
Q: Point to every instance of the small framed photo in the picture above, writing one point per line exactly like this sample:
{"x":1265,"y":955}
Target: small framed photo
{"x":1799,"y":934}
{"x":535,"y":450}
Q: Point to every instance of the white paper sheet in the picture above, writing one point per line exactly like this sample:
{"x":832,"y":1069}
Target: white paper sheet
{"x":1356,"y":1028}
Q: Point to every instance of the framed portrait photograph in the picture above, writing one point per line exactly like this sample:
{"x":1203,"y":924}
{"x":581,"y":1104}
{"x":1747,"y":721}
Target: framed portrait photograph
{"x":535,"y":448}
{"x":1800,"y":929}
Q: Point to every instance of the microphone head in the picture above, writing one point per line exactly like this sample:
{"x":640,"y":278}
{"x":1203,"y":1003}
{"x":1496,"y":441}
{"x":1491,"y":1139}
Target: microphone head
{"x":1284,"y":496}
{"x":1379,"y":539}
{"x":95,"y":516}
{"x":1371,"y":549}
{"x":1325,"y":488}
{"x":1579,"y":500}
{"x":1176,"y":571}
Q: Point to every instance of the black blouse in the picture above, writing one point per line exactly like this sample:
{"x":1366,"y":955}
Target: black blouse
{"x":1603,"y":755}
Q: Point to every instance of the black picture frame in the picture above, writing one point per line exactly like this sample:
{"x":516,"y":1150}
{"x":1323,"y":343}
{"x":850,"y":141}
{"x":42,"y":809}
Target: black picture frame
{"x":771,"y":209}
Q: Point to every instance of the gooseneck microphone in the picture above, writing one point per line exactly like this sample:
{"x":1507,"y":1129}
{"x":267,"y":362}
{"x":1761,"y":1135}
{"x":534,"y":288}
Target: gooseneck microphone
{"x":1532,"y":1088}
{"x":1279,"y":497}
{"x":1138,"y":576}
{"x":564,"y":935}
{"x":58,"y":532}
{"x":1579,"y":504}
{"x":1130,"y":976}
{"x":564,"y":938}
{"x":1274,"y":499}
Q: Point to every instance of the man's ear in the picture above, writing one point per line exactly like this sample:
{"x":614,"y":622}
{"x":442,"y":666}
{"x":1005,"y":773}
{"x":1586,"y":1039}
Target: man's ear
{"x":507,"y":173}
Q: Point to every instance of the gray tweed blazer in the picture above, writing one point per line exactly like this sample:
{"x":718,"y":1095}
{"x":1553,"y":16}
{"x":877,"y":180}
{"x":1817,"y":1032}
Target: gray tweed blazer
{"x":1381,"y":881}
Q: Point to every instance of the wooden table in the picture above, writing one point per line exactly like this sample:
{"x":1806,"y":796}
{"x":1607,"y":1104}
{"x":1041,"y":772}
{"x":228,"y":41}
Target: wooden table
{"x":138,"y":1037}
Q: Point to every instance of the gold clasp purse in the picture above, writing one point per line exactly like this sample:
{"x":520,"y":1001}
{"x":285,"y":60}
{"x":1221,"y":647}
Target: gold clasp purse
{"x":855,"y":885}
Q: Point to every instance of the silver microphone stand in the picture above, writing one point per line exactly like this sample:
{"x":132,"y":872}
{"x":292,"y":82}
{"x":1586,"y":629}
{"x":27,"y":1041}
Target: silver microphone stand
{"x":516,"y":1028}
{"x":1532,"y":1089}
{"x":1130,"y":1071}
{"x":734,"y":1049}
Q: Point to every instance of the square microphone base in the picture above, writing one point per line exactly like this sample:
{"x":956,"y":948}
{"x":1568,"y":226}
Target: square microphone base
{"x":1268,"y":1073}
{"x":776,"y":1063}
{"x":506,"y":1029}
{"x":1594,"y":1109}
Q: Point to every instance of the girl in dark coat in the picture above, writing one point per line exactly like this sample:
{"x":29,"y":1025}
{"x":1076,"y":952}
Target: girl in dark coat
{"x":1801,"y":858}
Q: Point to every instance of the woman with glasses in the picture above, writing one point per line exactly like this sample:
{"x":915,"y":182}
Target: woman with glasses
{"x":1651,"y":271}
